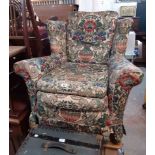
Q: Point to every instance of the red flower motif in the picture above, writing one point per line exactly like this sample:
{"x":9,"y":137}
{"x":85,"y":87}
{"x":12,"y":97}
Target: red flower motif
{"x":108,"y":123}
{"x":24,"y":73}
{"x":122,"y":81}
{"x":89,"y":26}
{"x":70,"y":117}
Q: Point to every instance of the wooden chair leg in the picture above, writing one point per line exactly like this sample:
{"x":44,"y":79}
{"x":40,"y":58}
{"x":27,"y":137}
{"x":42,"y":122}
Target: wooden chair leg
{"x":111,"y":149}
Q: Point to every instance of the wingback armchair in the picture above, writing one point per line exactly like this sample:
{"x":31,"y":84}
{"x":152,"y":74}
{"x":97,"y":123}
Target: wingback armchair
{"x":85,"y":82}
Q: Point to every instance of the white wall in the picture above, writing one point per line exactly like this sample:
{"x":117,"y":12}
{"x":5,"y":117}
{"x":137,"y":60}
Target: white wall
{"x":85,"y":5}
{"x":101,"y":5}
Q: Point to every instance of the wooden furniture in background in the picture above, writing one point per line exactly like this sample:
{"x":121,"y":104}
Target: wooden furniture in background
{"x":19,"y":129}
{"x":23,"y":28}
{"x":19,"y":49}
{"x":19,"y":108}
{"x":38,"y":42}
{"x":18,"y":26}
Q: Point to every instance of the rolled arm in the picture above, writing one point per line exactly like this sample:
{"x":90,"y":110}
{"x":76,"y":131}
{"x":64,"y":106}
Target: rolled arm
{"x":124,"y":72}
{"x":31,"y":70}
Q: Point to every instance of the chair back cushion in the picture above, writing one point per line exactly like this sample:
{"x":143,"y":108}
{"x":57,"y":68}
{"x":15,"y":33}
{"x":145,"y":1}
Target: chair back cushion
{"x":90,"y":36}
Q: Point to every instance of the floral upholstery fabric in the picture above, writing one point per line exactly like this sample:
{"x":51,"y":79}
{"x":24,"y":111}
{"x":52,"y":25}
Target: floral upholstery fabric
{"x":90,"y":36}
{"x":123,"y":76}
{"x":87,"y":90}
{"x":57,"y":36}
{"x":73,"y":102}
{"x":82,"y":113}
{"x":123,"y":27}
{"x":33,"y":69}
{"x":81,"y":79}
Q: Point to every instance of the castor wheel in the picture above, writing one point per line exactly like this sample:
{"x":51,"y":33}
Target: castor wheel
{"x":121,"y":151}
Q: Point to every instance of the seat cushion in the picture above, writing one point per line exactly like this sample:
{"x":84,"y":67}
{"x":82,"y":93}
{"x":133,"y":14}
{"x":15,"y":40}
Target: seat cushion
{"x":80,"y":79}
{"x":73,"y":112}
{"x":72,"y":102}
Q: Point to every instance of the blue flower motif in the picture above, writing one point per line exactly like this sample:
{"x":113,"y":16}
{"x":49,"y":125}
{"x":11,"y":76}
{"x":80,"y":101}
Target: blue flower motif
{"x":99,"y":84}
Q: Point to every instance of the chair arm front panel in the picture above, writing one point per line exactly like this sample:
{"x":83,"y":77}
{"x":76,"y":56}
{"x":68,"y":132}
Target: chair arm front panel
{"x":31,"y":70}
{"x":123,"y":75}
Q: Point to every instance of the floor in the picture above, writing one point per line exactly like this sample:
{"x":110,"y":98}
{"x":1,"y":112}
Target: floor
{"x":135,"y":121}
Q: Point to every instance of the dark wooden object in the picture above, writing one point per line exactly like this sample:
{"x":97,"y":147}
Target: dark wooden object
{"x":35,"y":28}
{"x":19,"y":108}
{"x":17,"y":22}
{"x":23,"y":29}
{"x":19,"y":129}
{"x":19,"y":49}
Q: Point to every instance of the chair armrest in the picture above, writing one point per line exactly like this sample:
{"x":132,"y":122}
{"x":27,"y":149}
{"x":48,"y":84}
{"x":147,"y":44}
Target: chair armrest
{"x":33,"y":69}
{"x":123,"y":75}
{"x":124,"y":72}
